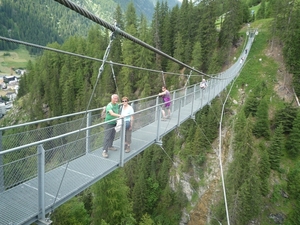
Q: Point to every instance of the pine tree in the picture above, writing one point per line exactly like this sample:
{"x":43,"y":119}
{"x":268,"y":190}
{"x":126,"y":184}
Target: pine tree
{"x":230,"y":28}
{"x":146,"y":220}
{"x":139,"y":196}
{"x":116,"y":48}
{"x":293,"y":184}
{"x":276,"y":148}
{"x":198,"y":150}
{"x":261,"y":12}
{"x":68,"y":96}
{"x":111,"y":202}
{"x":156,"y":33}
{"x":286,"y":117}
{"x":250,"y":197}
{"x":206,"y":30}
{"x":264,"y":169}
{"x":175,"y":67}
{"x":253,"y":100}
{"x":144,"y":59}
{"x":288,"y":24}
{"x":244,"y":201}
{"x":71,"y":212}
{"x":294,"y":216}
{"x":127,"y":75}
{"x":239,"y":168}
{"x":293,"y":142}
{"x":167,"y":36}
{"x":197,"y":56}
{"x":293,"y":187}
{"x":262,"y":124}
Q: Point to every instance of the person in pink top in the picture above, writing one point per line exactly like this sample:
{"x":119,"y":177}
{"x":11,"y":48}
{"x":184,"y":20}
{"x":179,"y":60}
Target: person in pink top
{"x":166,"y":111}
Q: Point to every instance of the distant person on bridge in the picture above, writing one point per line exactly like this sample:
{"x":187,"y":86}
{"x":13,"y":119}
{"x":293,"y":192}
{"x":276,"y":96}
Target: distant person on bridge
{"x":112,"y":112}
{"x":167,"y":100}
{"x":203,"y":84}
{"x":127,"y":112}
{"x":242,"y":59}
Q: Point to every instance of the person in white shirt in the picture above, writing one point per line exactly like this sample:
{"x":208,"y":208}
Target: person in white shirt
{"x":203,"y":84}
{"x":127,"y":112}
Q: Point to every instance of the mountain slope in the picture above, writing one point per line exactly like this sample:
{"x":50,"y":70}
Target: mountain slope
{"x":48,"y":21}
{"x":105,"y":8}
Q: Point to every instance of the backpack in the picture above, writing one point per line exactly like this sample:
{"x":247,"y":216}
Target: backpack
{"x":103,"y":113}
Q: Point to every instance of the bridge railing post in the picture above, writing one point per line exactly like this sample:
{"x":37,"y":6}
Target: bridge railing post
{"x":88,"y":132}
{"x":179,"y":111}
{"x":193,"y":99}
{"x":185,"y":93}
{"x":172,"y":103}
{"x":157,"y":109}
{"x":214,"y":89}
{"x":41,"y":185}
{"x":158,"y":115}
{"x":209,"y":91}
{"x":201,"y":98}
{"x":122,"y":140}
{"x":1,"y":166}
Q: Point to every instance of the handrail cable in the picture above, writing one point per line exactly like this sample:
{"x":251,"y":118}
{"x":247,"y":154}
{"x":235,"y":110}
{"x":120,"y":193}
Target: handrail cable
{"x":100,"y":60}
{"x":86,"y":57}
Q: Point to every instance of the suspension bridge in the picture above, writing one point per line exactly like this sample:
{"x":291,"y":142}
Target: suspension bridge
{"x":43,"y":166}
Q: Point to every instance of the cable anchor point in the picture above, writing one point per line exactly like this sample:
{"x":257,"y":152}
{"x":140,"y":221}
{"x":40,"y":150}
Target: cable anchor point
{"x":159,"y":143}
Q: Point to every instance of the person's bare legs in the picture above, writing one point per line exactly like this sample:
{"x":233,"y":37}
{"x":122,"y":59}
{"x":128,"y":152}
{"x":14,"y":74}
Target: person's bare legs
{"x":163,"y":114}
{"x":169,"y":112}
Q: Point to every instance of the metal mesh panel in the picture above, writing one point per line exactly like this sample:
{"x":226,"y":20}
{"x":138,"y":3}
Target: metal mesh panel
{"x":62,"y":154}
{"x":22,"y":138}
{"x":19,"y":166}
{"x":144,"y":118}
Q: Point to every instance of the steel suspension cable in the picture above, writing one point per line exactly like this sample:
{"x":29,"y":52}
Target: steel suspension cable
{"x":114,"y":76}
{"x":188,"y":78}
{"x":96,"y":19}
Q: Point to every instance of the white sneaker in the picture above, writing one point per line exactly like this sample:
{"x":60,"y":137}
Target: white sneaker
{"x":104,"y":154}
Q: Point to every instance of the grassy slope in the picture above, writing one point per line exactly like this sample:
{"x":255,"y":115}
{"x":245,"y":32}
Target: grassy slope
{"x":17,"y":59}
